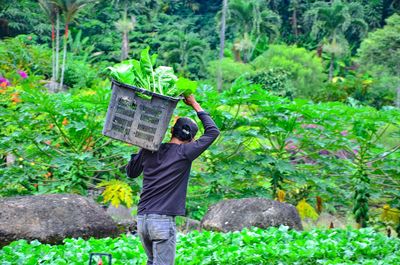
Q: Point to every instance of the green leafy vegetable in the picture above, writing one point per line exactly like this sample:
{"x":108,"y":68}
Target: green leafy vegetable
{"x":186,"y":86}
{"x":249,"y":246}
{"x":143,"y":74}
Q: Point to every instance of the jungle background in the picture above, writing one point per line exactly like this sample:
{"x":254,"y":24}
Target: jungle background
{"x":306,"y":95}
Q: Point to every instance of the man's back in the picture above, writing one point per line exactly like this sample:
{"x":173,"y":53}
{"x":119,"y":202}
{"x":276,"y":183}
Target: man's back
{"x":165,"y":179}
{"x":166,"y":171}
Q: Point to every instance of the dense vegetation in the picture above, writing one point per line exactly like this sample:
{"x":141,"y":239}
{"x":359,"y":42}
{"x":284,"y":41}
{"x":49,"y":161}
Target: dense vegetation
{"x":253,"y":246}
{"x":305,"y":93}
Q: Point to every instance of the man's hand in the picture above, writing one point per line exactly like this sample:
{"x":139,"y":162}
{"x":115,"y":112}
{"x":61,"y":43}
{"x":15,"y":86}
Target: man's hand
{"x":191,"y":101}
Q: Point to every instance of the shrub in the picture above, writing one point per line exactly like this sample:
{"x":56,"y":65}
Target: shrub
{"x":230,"y":69}
{"x":304,"y":68}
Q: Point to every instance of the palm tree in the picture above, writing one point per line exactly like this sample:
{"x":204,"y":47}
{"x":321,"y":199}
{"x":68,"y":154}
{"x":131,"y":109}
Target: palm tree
{"x":222,"y":43}
{"x":331,"y":22}
{"x":125,"y":25}
{"x":53,"y":12}
{"x":69,"y":9}
{"x":252,"y":19}
{"x":297,"y":9}
{"x":181,"y":47}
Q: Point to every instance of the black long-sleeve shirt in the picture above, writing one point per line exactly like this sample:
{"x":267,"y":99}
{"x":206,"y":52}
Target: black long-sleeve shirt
{"x":166,"y":171}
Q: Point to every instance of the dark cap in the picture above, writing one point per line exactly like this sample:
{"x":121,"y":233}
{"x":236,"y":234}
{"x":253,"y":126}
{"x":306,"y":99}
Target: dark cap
{"x":185,"y":129}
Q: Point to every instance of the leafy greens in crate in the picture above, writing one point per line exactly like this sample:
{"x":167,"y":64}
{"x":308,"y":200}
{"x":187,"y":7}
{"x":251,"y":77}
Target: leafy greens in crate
{"x":142,"y":73}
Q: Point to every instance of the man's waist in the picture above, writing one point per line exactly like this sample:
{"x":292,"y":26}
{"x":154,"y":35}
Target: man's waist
{"x":156,"y":216}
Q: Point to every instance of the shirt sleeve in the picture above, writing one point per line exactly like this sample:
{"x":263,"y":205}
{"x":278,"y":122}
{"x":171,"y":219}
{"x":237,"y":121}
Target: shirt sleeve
{"x":135,"y":166}
{"x":194,"y":149}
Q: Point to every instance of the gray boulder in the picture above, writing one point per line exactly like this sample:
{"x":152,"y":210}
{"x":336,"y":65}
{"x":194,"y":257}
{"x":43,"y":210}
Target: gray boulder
{"x":234,"y":215}
{"x":189,"y":225}
{"x":122,"y":215}
{"x":51,"y":218}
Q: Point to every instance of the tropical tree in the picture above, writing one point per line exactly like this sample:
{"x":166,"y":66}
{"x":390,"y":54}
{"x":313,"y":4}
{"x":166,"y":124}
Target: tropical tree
{"x":181,"y":48}
{"x":21,"y":17}
{"x":125,"y":25}
{"x":69,"y":9}
{"x":222,"y":42}
{"x":251,"y":20}
{"x":380,"y":54}
{"x":53,"y":12}
{"x":329,"y":23}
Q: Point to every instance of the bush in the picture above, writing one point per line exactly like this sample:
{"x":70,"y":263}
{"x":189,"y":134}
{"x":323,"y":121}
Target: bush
{"x":274,"y":80}
{"x":21,"y":52}
{"x":57,"y":140}
{"x":229,"y":68}
{"x":304,"y":68}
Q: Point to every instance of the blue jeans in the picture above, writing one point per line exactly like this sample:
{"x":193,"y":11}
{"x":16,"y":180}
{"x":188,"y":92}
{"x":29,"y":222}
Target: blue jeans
{"x":158,"y":236}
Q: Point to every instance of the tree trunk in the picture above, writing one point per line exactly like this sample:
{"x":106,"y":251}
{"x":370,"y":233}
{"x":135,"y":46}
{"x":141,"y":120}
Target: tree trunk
{"x":125,"y":46}
{"x":53,"y":50}
{"x":398,"y":97}
{"x":57,"y":44}
{"x":64,"y":56}
{"x":236,"y":54}
{"x":222,"y":43}
{"x":294,"y":23}
{"x":331,"y":66}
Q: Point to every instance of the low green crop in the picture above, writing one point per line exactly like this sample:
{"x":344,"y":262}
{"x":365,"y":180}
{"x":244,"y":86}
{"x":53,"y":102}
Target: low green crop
{"x":250,"y":246}
{"x":143,"y":73}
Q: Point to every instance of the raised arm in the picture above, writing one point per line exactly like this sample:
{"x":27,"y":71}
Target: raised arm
{"x":194,"y":149}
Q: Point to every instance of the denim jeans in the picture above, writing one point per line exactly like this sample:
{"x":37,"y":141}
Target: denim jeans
{"x":158,"y":236}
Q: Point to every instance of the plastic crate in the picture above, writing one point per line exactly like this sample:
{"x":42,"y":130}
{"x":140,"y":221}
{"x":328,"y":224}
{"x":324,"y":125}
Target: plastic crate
{"x":133,"y":119}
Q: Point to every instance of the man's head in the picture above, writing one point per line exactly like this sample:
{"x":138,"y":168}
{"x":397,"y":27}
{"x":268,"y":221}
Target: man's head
{"x":185,"y":129}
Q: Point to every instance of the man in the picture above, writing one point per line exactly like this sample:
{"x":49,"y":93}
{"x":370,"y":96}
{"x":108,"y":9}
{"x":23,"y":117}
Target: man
{"x":165,"y":180}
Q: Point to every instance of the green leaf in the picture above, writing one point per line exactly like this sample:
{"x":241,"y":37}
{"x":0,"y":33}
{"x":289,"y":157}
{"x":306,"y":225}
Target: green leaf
{"x":185,"y":86}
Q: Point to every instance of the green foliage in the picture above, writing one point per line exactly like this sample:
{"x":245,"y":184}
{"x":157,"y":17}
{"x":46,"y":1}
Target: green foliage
{"x":304,"y":68}
{"x":382,"y":47}
{"x":253,"y":18}
{"x":274,"y":80}
{"x":332,"y":19}
{"x":21,"y":53}
{"x":229,"y":68}
{"x":289,"y":144}
{"x":249,"y":246}
{"x":379,"y":55}
{"x":22,"y":17}
{"x":57,"y":140}
{"x":185,"y":51}
{"x":142,"y":73}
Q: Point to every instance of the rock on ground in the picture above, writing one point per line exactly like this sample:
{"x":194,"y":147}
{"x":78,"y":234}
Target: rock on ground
{"x":236,"y":214}
{"x":189,"y":225}
{"x":122,"y":215}
{"x":51,"y":218}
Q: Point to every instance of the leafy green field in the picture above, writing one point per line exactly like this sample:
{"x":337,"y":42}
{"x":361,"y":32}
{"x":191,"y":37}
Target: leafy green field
{"x":254,"y":246}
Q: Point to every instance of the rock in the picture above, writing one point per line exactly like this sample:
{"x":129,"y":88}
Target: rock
{"x":325,"y":220}
{"x":189,"y":225}
{"x":234,"y":215}
{"x":128,"y":227}
{"x":122,"y":215}
{"x":54,"y":87}
{"x":51,"y":218}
